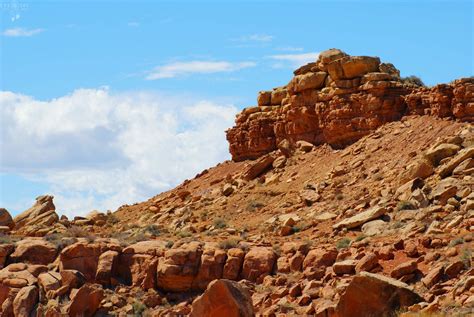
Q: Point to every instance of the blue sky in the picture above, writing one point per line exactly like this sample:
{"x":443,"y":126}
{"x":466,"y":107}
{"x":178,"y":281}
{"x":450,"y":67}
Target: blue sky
{"x":108,"y":103}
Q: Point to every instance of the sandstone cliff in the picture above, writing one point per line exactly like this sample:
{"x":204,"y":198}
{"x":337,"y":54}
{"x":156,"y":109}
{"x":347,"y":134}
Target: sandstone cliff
{"x":337,"y":100}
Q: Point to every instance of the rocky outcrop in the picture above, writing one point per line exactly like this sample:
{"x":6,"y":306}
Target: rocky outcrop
{"x":37,"y":220}
{"x":337,"y":100}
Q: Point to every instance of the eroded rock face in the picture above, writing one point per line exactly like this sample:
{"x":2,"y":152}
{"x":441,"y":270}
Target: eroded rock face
{"x":34,"y":251}
{"x":337,"y":100}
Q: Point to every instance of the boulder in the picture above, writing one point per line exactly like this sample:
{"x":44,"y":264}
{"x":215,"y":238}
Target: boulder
{"x":258,"y":263}
{"x":344,"y":267}
{"x":223,"y":298}
{"x":278,"y":94}
{"x":42,"y":213}
{"x":6,"y":219}
{"x":403,"y":269}
{"x":84,"y":256}
{"x":264,"y":98}
{"x":211,"y":267}
{"x":461,"y":156}
{"x":85,"y":301}
{"x":34,"y":251}
{"x":25,"y":301}
{"x":178,"y":268}
{"x":367,"y":263}
{"x":5,"y":251}
{"x":375,"y":295}
{"x":106,"y":267}
{"x":320,"y":258}
{"x":307,"y":81}
{"x":328,"y":56}
{"x":361,"y":218}
{"x":352,"y":66}
{"x":233,"y":264}
{"x":442,"y":151}
{"x":258,"y":167}
{"x":138,"y":263}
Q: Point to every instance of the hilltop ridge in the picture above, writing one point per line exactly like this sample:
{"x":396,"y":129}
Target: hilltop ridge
{"x":350,"y":193}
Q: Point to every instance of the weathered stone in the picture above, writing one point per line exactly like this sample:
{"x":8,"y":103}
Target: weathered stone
{"x":85,"y":301}
{"x":258,"y":263}
{"x":352,"y":66}
{"x":436,"y":154}
{"x":34,"y":251}
{"x":223,"y":298}
{"x":25,"y":301}
{"x":258,"y":167}
{"x":6,"y":218}
{"x":375,"y":295}
{"x":361,"y":218}
{"x":307,"y":81}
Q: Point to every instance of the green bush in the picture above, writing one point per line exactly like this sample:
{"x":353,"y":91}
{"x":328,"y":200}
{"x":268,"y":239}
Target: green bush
{"x":413,"y":80}
{"x":343,"y":243}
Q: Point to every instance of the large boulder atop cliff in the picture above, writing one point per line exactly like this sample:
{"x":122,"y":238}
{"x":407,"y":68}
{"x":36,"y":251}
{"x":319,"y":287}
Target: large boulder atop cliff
{"x":223,"y":298}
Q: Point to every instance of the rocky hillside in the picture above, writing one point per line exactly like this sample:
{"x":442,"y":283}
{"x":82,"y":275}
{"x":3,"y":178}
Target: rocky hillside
{"x":350,"y":193}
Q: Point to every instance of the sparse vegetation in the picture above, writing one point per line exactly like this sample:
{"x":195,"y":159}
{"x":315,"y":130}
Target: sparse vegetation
{"x":405,"y":205}
{"x":184,"y":234}
{"x":138,"y":308}
{"x":219,"y":223}
{"x":7,"y":239}
{"x":343,"y":243}
{"x":339,"y":196}
{"x":228,"y":243}
{"x":59,"y":240}
{"x":360,"y":237}
{"x":456,"y":241}
{"x":78,"y":232}
{"x":413,"y":80}
{"x":254,"y":205}
{"x":169,"y":244}
{"x":465,"y":257}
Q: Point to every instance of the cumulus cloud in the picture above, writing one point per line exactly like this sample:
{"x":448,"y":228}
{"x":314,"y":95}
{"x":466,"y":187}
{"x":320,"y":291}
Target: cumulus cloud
{"x":294,"y":60}
{"x":98,"y":150}
{"x":195,"y":67}
{"x":21,"y":32}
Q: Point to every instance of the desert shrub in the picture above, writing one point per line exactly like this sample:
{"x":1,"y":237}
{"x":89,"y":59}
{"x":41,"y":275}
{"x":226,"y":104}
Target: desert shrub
{"x":413,"y":80}
{"x":228,"y":243}
{"x":152,"y":230}
{"x":219,"y":223}
{"x":169,"y":244}
{"x":254,"y":204}
{"x":405,"y":205}
{"x":465,"y":257}
{"x":138,"y":308}
{"x":112,"y":219}
{"x":339,"y":196}
{"x":184,"y":234}
{"x":343,"y":243}
{"x":456,"y":242}
{"x":59,"y":240}
{"x":78,"y":232}
{"x":360,"y":237}
{"x":8,"y":239}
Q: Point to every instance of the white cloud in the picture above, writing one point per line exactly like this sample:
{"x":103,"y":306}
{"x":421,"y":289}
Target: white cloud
{"x":294,"y":60}
{"x":99,"y":150}
{"x":290,"y":49}
{"x":255,"y":38}
{"x":21,"y":32}
{"x":133,"y":24}
{"x":196,"y":67}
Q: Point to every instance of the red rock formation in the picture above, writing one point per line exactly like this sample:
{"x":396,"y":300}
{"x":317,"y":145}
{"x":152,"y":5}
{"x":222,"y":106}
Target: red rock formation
{"x":338,"y":100}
